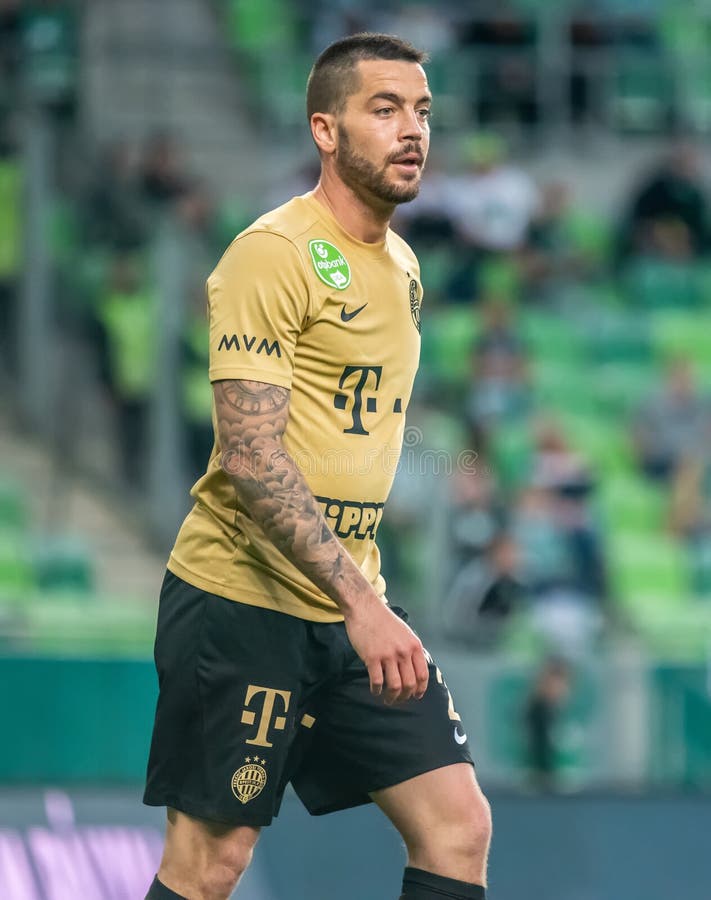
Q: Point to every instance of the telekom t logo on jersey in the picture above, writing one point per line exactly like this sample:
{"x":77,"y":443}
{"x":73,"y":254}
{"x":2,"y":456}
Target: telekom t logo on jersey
{"x":359,"y":377}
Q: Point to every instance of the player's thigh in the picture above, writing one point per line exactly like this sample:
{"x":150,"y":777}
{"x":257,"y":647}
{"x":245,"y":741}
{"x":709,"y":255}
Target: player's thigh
{"x":444,"y":805}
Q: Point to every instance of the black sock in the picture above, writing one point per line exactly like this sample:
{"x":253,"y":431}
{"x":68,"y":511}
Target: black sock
{"x":420,"y":885}
{"x":158,"y":891}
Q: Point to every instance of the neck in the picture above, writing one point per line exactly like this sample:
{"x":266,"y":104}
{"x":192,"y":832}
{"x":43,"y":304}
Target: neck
{"x":364,"y":222}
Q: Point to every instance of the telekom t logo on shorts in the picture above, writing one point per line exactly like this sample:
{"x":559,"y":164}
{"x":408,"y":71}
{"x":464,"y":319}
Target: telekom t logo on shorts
{"x":273,"y":702}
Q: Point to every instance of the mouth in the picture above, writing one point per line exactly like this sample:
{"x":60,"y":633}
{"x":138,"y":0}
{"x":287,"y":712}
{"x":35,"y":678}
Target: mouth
{"x":410,"y":162}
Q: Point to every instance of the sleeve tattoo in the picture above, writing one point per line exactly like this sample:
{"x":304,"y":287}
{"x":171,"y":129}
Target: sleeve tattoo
{"x":252,"y":418}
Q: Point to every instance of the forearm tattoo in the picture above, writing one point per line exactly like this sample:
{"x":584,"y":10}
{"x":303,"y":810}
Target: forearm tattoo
{"x":251,"y":418}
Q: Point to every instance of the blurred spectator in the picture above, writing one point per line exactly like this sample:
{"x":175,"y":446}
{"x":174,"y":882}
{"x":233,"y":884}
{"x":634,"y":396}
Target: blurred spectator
{"x":561,"y":552}
{"x":477,"y":513}
{"x":430,"y":218}
{"x":196,"y":390}
{"x":494,"y":201}
{"x":112,"y":213}
{"x":10,"y":250}
{"x":564,"y":243}
{"x":485,"y":592}
{"x":668,"y":213}
{"x":499,"y":389}
{"x":163,"y":176}
{"x":549,"y":694}
{"x":10,"y":47}
{"x":671,"y":424}
{"x":126,"y":322}
{"x":690,"y":513}
{"x":566,"y":476}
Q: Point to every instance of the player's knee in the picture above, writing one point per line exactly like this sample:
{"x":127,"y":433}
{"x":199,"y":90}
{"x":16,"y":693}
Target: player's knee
{"x":464,"y":833}
{"x":471,"y":835}
{"x":219,"y":877}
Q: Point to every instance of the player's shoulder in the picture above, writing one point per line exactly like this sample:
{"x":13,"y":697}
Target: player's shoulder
{"x":277,"y":234}
{"x":402,"y":252}
{"x":291,"y":220}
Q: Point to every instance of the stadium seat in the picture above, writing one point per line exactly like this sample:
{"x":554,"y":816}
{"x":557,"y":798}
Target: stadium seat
{"x":63,"y":564}
{"x":562,"y":385}
{"x":617,"y":336}
{"x":620,"y":388}
{"x":16,"y":572}
{"x":678,"y":334}
{"x":551,"y":337}
{"x":450,"y":76}
{"x":602,"y":442}
{"x":512,"y":453}
{"x":447,"y":344}
{"x":630,"y":504}
{"x":90,"y":626}
{"x":13,"y":507}
{"x":641,"y":93}
{"x":647,"y":566}
{"x":655,"y":284}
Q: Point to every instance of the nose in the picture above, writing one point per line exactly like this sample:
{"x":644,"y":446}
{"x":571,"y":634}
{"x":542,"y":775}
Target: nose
{"x":413,"y":127}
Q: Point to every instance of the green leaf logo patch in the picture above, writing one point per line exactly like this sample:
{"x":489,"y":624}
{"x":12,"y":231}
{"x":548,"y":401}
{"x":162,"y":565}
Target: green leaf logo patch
{"x":330,"y":264}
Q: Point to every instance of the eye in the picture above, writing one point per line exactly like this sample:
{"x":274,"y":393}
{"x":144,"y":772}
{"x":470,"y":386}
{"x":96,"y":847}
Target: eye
{"x":384,"y":111}
{"x":424,"y":113}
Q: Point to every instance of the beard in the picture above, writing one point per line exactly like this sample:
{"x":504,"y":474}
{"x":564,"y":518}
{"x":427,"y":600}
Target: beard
{"x":368,"y":181}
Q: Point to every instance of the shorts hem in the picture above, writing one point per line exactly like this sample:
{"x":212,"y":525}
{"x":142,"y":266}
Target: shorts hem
{"x":194,"y":810}
{"x":364,"y":799}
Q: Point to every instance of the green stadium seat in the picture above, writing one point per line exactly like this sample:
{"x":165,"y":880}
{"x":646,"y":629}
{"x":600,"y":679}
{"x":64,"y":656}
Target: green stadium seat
{"x":447,"y":344}
{"x":16,"y":572}
{"x":629,"y":503}
{"x":648,"y":565}
{"x":655,"y":284}
{"x":13,"y":507}
{"x":551,"y":337}
{"x":90,"y":626}
{"x":603,"y":443}
{"x":616,"y":336}
{"x":449,"y":75}
{"x":641,"y":93}
{"x":63,"y":564}
{"x":512,"y":454}
{"x":620,"y":388}
{"x":562,"y":385}
{"x":678,"y":334}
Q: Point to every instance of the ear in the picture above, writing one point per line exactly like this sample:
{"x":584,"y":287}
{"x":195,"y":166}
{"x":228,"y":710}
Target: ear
{"x":324,"y":132}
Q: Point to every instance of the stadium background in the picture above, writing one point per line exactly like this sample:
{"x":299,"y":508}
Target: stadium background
{"x":550,"y":527}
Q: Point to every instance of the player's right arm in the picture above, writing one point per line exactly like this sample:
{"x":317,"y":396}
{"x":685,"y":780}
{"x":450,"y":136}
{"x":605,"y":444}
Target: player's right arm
{"x":252,"y":418}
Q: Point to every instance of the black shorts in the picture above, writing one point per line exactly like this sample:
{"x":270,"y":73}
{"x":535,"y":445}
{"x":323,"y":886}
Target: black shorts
{"x":251,"y":699}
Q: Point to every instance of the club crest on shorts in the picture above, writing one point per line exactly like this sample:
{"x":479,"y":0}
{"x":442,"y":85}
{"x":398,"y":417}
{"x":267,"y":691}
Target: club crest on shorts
{"x":249,"y":780}
{"x":415,"y":305}
{"x":330,"y":264}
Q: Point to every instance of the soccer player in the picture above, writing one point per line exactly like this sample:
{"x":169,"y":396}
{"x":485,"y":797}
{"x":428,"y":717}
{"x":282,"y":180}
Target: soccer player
{"x":279,"y":659}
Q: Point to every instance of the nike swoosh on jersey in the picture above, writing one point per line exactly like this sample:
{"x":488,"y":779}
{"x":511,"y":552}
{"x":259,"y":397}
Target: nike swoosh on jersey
{"x":459,"y":738}
{"x":347,"y":316}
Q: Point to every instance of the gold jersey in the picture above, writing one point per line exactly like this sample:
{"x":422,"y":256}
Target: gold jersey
{"x":296,"y":301}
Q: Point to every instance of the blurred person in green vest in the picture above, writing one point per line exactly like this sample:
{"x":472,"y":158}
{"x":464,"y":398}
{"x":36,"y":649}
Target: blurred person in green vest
{"x":195,"y":387}
{"x":10,"y":248}
{"x":201,"y":239}
{"x":126,"y":318}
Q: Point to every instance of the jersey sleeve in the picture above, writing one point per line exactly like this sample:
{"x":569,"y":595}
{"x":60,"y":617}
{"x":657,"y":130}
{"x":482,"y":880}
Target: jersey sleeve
{"x":258,"y":301}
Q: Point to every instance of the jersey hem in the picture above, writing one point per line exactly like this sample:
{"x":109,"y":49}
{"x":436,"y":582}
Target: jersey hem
{"x":266,"y":376}
{"x":294,"y":608}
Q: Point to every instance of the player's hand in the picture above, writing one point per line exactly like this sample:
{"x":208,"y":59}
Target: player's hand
{"x":391,"y":651}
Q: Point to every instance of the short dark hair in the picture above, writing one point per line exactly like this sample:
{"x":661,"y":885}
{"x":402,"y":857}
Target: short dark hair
{"x":333,"y":77}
